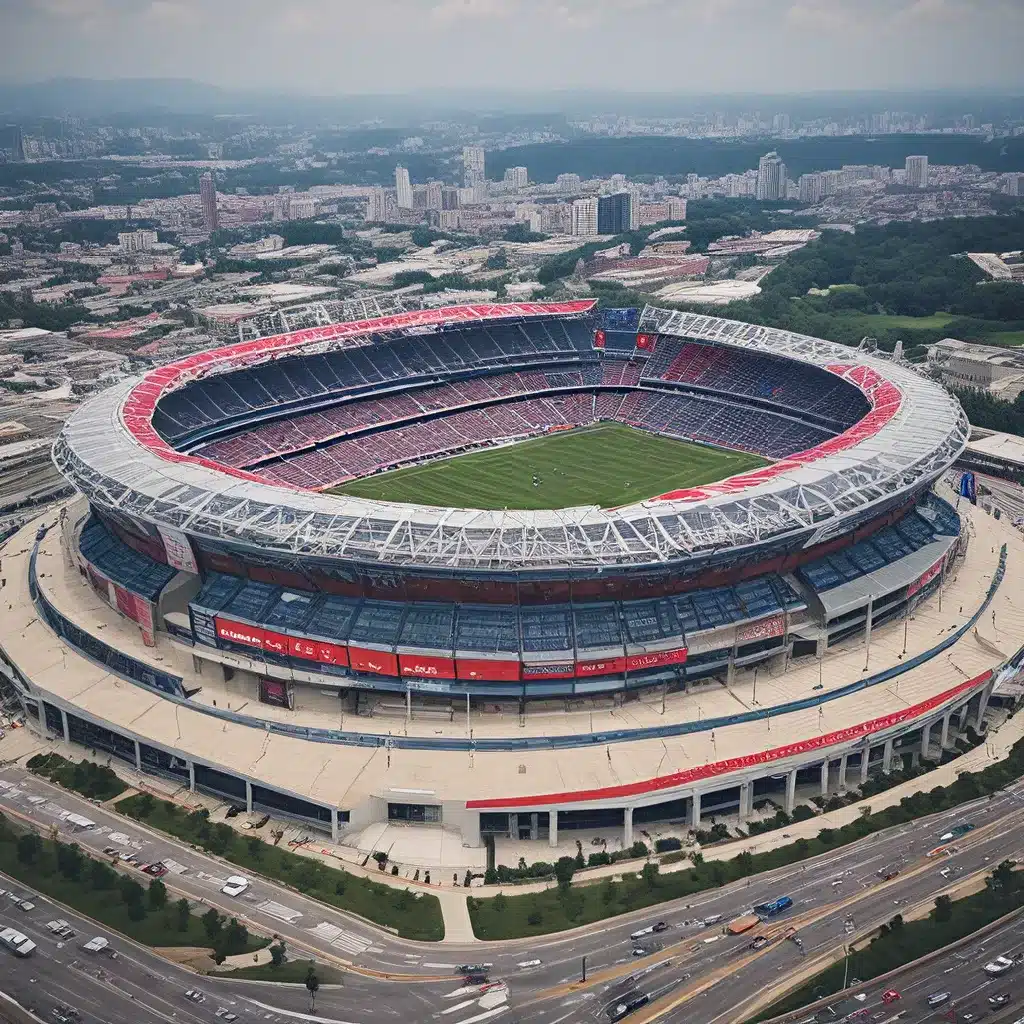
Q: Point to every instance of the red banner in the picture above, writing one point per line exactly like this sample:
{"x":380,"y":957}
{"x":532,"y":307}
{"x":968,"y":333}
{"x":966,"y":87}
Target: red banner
{"x":276,"y":642}
{"x":600,"y":668}
{"x":488,"y":671}
{"x":599,"y":339}
{"x":381,"y":663}
{"x":764,"y":757}
{"x":237,"y":633}
{"x":773,"y":626}
{"x":426,"y":666}
{"x":654,"y":659}
{"x":926,"y":577}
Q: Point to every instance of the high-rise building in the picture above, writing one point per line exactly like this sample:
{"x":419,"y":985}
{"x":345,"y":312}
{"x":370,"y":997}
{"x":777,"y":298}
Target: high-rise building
{"x":812,"y":188}
{"x":473,"y":165}
{"x":435,"y":195}
{"x":916,"y":168}
{"x":614,"y":214}
{"x":208,"y":200}
{"x":377,"y":206}
{"x":280,"y":208}
{"x":403,"y":188}
{"x":584,"y":216}
{"x":780,"y":123}
{"x":17,"y":144}
{"x":568,"y":183}
{"x":676,"y":208}
{"x":1015,"y":184}
{"x":771,"y":177}
{"x":301,"y":207}
{"x":449,"y":198}
{"x":517,"y":177}
{"x":136,"y":241}
{"x":634,"y":209}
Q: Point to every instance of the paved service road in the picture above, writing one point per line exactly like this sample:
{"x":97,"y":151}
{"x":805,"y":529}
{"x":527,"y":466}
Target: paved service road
{"x":537,"y":993}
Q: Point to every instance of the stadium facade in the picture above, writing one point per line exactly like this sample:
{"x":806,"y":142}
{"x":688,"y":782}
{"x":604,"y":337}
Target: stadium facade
{"x":207,"y":522}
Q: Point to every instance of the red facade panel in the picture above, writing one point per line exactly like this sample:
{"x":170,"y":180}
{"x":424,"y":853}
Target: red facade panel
{"x":655,"y":659}
{"x":238,"y":633}
{"x":600,"y":668}
{"x":381,"y":663}
{"x":426,"y":666}
{"x":488,"y":671}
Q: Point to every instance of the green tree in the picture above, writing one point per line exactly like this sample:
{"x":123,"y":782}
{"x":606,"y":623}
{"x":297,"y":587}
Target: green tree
{"x":943,"y":909}
{"x":277,"y":954}
{"x":29,"y":847}
{"x":649,"y":874}
{"x":212,"y":923}
{"x":157,"y":894}
{"x":183,"y":912}
{"x":70,"y":861}
{"x":102,"y":876}
{"x":565,"y":868}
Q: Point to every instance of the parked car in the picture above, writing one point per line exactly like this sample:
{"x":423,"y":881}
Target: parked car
{"x":235,"y":885}
{"x":156,"y":870}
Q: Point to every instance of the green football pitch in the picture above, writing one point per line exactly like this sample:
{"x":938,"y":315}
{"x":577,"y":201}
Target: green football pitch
{"x":607,"y":465}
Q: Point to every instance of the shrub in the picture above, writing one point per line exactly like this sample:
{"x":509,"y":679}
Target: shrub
{"x":668,"y":844}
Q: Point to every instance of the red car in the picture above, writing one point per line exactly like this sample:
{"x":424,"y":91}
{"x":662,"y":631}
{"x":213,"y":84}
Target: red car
{"x":156,"y":870}
{"x":890,"y":996}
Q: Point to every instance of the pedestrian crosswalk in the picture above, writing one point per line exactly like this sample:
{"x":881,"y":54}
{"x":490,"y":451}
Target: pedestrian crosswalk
{"x":349,"y":942}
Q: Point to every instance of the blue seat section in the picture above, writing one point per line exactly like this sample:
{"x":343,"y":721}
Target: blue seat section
{"x":488,"y":629}
{"x":217,"y":591}
{"x":546,"y":627}
{"x":428,"y":626}
{"x":383,"y":362}
{"x":931,"y":520}
{"x":332,"y":617}
{"x":377,"y":622}
{"x":597,"y":626}
{"x":646,"y":622}
{"x":253,"y":602}
{"x":136,"y":572}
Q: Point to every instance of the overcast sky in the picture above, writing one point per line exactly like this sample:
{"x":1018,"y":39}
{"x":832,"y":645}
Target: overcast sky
{"x":331,"y":47}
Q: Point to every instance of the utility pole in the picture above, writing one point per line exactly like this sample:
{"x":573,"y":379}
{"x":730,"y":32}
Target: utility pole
{"x":584,"y":977}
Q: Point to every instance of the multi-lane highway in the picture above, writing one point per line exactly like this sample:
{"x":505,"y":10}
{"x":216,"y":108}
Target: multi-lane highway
{"x":392,"y":976}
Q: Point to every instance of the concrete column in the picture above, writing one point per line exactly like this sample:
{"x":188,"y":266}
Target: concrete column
{"x":408,"y":705}
{"x":138,"y":757}
{"x":821,"y":645}
{"x":191,"y":776}
{"x":695,"y":810}
{"x":746,"y":799}
{"x":944,"y":742}
{"x":791,"y":791}
{"x":887,"y":757}
{"x":334,"y":824}
{"x":842,"y":772}
{"x":248,"y":797}
{"x":926,"y":739}
{"x":553,"y":827}
{"x":627,"y":832}
{"x":982,"y":707}
{"x":64,"y":725}
{"x":867,"y":632}
{"x":730,"y":672}
{"x":824,"y":777}
{"x":962,"y":715}
{"x":513,"y":826}
{"x":865,"y":759}
{"x":534,"y":827}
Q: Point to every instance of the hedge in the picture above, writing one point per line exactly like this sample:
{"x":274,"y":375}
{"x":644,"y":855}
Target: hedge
{"x":95,"y":781}
{"x":411,"y":915}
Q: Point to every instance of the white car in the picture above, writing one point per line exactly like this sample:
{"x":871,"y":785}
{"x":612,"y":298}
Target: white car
{"x":18,"y":944}
{"x":1000,"y":965}
{"x":235,"y":885}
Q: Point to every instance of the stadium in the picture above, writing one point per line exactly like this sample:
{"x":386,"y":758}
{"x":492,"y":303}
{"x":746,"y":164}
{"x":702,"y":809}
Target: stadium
{"x":512,"y":569}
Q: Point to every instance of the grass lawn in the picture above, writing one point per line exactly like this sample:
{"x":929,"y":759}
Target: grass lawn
{"x":1010,"y":339}
{"x":908,"y":323}
{"x":411,"y":915}
{"x":607,"y":465}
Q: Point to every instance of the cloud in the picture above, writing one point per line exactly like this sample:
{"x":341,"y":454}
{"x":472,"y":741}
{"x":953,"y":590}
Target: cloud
{"x":457,"y":10}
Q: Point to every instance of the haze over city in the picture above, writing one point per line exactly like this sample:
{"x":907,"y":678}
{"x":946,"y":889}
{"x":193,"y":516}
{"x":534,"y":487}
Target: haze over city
{"x":329,"y":47}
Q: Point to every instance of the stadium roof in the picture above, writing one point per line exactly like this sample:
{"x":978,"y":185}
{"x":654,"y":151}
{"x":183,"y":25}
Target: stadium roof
{"x":914,"y":431}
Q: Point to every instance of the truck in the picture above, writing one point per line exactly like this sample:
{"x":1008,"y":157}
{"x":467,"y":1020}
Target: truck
{"x":743,"y":924}
{"x":776,"y":906}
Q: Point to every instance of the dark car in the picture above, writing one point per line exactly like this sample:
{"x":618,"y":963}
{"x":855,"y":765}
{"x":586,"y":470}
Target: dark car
{"x":627,"y":1006}
{"x":999,"y":999}
{"x":938,"y":998}
{"x":661,"y":927}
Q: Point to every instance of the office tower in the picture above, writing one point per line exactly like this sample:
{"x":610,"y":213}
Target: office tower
{"x":435,"y":195}
{"x":517,"y":177}
{"x":449,"y":198}
{"x":771,"y":177}
{"x":614,"y":213}
{"x":377,"y":206}
{"x":17,"y":144}
{"x":403,"y":188}
{"x":208,"y":200}
{"x":917,"y":171}
{"x":584,"y":216}
{"x":634,"y":209}
{"x":812,"y":187}
{"x":780,"y":123}
{"x":568,"y":183}
{"x":473,"y":166}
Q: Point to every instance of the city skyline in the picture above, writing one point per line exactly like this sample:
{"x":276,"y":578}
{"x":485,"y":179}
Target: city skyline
{"x":732,"y":45}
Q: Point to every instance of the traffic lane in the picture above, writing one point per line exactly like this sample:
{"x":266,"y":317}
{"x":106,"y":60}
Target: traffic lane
{"x":784,"y":957}
{"x":874,"y":903}
{"x":380,"y":950}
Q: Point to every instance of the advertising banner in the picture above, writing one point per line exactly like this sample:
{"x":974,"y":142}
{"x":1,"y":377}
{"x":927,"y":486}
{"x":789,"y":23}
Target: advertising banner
{"x":179,"y":550}
{"x":277,"y":693}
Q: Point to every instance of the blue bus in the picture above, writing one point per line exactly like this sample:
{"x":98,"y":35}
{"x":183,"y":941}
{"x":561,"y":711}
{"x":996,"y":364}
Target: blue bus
{"x":775,"y":907}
